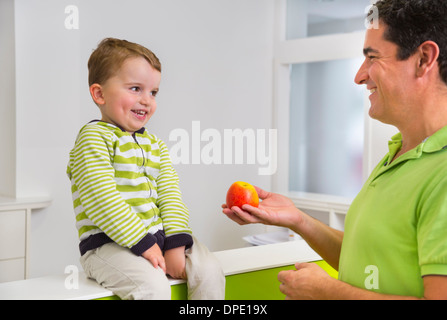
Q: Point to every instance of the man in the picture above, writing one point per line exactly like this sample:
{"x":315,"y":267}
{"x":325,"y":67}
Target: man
{"x":395,"y":241}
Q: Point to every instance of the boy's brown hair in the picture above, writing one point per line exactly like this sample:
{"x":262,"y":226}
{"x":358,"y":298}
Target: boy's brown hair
{"x":111,"y":53}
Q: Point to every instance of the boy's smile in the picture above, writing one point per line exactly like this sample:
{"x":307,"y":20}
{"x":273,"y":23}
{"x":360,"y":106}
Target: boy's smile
{"x":128,"y":98}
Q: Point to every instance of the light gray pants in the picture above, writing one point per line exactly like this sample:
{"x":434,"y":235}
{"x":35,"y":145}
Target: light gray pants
{"x":133,"y":277}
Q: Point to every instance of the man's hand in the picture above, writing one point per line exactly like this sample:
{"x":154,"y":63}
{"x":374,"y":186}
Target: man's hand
{"x":308,"y":281}
{"x":274,"y":209}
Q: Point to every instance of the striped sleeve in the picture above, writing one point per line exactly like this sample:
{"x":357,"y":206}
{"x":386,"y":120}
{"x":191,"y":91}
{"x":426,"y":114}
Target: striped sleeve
{"x":173,"y":211}
{"x":96,"y":194}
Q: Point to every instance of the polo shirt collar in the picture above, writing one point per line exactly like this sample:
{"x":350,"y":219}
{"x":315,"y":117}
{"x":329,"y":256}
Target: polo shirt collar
{"x":433,"y":143}
{"x":436,"y":142}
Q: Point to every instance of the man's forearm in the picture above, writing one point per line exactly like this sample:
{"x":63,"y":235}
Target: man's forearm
{"x":326,"y":241}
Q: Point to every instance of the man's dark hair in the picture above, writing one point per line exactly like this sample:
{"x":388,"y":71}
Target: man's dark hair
{"x":412,"y":22}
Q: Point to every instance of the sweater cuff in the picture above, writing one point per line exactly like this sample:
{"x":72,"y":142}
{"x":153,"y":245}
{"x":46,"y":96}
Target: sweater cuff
{"x":145,"y":243}
{"x":178,"y":240}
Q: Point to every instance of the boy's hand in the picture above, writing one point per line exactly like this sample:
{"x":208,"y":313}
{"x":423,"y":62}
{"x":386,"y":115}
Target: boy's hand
{"x":155,"y":256}
{"x":176,"y":262}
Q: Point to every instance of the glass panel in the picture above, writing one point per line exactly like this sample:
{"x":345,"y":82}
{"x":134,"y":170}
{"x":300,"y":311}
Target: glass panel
{"x":307,"y":18}
{"x":326,"y":128}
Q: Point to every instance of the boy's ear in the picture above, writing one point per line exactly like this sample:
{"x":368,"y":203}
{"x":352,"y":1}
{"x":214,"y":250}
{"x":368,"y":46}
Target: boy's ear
{"x":96,"y":93}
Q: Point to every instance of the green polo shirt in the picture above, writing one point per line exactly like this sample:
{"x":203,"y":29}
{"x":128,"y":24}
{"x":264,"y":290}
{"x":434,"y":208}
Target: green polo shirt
{"x":396,"y":228}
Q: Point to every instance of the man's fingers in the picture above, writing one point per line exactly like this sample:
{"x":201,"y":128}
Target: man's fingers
{"x":262,"y":194}
{"x":246,"y":214}
{"x":283,"y":276}
{"x":230,"y":214}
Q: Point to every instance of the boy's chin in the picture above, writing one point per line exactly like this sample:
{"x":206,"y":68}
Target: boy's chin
{"x":133,"y":128}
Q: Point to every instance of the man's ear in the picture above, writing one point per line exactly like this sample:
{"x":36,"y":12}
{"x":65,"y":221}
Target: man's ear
{"x":97,"y":94}
{"x":428,"y":53}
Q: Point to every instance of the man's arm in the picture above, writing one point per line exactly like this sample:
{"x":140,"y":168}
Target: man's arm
{"x":309,"y":281}
{"x":326,"y":241}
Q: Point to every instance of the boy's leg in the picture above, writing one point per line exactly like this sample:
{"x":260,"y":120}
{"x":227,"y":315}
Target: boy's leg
{"x":205,"y":277}
{"x":128,"y":276}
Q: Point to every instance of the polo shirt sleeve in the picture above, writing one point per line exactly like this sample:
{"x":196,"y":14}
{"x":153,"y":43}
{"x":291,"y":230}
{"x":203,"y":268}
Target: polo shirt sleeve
{"x":432,"y":231}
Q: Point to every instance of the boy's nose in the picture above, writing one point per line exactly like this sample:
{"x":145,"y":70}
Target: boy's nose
{"x":146,"y":99}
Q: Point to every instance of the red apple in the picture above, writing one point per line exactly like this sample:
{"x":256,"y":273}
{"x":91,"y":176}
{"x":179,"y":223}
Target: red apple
{"x":241,"y":193}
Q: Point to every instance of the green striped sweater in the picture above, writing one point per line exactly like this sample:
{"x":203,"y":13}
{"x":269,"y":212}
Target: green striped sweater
{"x":125,"y":190}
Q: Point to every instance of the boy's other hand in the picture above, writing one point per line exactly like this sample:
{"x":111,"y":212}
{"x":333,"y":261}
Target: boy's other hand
{"x":155,"y":256}
{"x":176,"y":262}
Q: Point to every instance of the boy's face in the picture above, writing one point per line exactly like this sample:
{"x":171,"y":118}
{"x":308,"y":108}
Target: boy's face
{"x":128,"y":98}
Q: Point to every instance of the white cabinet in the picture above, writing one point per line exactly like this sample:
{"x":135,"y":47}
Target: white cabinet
{"x":15,"y":221}
{"x":326,"y":208}
{"x":12,"y":234}
{"x":12,"y":245}
{"x":12,"y":269}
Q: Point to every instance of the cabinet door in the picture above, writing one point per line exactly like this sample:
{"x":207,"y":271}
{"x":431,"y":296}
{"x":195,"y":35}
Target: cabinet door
{"x":12,"y":270}
{"x":12,"y":234}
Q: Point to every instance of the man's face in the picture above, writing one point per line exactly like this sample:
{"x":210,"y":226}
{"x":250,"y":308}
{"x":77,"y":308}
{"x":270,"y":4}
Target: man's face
{"x":388,"y":79}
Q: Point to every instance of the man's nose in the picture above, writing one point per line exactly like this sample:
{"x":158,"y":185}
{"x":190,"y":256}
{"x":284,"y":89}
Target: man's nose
{"x":362,"y":75}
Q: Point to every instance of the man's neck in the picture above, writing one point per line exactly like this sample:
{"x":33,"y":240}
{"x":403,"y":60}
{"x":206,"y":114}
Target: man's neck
{"x":431,"y":116}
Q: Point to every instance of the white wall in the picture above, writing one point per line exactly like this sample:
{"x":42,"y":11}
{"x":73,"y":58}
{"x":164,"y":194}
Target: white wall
{"x":217,"y":69}
{"x":7,"y":100}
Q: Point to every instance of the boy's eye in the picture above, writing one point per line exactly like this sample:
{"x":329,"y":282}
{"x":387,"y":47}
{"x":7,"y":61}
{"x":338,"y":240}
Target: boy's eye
{"x":136,"y":89}
{"x":154,"y":93}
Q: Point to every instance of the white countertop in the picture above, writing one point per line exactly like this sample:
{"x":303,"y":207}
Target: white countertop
{"x":9,"y":203}
{"x":265,"y":257}
{"x":232,"y":261}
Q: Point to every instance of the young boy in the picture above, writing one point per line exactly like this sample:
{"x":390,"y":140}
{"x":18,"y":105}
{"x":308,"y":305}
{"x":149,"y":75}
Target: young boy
{"x":132,"y":222}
